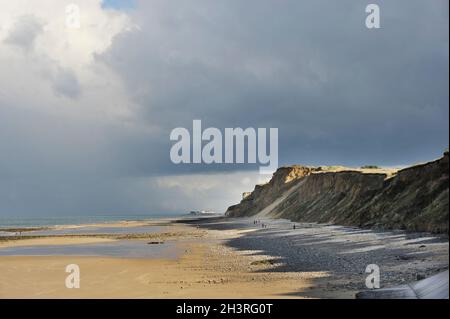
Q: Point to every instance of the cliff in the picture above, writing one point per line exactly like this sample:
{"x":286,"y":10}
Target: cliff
{"x":263,"y":195}
{"x":415,"y":198}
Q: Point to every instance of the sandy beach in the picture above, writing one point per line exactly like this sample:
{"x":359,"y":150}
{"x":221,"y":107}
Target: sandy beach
{"x":221,"y":258}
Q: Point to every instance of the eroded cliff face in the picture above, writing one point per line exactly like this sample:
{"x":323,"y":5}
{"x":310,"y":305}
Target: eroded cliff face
{"x":263,"y":195}
{"x":415,"y":198}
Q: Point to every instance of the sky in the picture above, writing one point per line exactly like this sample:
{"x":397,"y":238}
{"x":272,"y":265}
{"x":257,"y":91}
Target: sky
{"x":86,"y":113}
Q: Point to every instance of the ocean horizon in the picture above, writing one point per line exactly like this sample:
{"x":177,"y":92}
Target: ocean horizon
{"x":24,"y":221}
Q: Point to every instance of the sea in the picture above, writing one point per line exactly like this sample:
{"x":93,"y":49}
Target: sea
{"x":21,"y":221}
{"x":118,"y":248}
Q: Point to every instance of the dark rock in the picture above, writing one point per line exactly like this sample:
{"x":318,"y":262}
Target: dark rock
{"x":419,"y":277}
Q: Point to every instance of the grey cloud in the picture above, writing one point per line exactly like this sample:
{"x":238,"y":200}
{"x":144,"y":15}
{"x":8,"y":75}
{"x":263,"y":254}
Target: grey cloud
{"x":24,"y":32}
{"x":66,"y":83}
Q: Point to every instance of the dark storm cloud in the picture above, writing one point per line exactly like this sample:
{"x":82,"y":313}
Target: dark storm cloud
{"x":337,"y":91}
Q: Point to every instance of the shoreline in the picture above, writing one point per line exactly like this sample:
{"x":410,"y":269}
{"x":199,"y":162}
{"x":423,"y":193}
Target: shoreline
{"x":205,"y":269}
{"x":225,"y":258}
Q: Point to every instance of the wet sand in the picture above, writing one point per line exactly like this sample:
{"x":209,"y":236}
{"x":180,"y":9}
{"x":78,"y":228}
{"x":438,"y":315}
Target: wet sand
{"x":47,"y":241}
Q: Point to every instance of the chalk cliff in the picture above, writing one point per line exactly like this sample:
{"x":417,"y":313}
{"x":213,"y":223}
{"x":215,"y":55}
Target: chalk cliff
{"x":415,"y":198}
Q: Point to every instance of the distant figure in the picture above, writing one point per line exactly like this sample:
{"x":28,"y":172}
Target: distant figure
{"x":294,"y":226}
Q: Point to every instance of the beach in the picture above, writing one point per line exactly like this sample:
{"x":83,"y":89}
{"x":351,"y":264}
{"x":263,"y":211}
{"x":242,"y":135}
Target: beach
{"x":213,"y":258}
